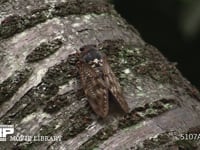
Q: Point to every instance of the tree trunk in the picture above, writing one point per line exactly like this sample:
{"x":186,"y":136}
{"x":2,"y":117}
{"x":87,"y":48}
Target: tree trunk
{"x":40,"y":91}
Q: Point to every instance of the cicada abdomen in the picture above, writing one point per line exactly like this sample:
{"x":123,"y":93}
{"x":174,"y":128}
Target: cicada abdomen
{"x":98,"y":80}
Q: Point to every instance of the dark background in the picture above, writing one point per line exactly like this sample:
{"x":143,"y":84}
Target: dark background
{"x":172,"y":26}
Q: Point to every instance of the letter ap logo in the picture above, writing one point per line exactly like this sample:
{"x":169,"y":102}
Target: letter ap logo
{"x":5,"y":130}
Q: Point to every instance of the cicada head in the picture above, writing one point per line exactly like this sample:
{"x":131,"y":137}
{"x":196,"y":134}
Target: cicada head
{"x":90,"y":54}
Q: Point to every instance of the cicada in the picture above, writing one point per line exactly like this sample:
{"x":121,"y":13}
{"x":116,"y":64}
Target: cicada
{"x":98,"y":80}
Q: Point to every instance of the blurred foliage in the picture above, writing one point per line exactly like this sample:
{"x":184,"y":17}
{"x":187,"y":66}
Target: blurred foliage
{"x":190,"y":18}
{"x":173,"y":26}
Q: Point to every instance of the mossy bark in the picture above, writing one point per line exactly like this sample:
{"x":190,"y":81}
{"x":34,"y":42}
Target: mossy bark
{"x":40,"y":91}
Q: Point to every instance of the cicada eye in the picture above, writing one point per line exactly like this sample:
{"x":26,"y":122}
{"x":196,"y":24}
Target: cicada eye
{"x":82,"y":49}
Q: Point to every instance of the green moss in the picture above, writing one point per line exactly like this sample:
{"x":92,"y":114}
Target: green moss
{"x":139,"y":61}
{"x":60,"y":101}
{"x":66,"y":8}
{"x":29,"y":103}
{"x":49,"y":129}
{"x":42,"y":92}
{"x":149,"y":110}
{"x":123,"y":58}
{"x":187,"y":144}
{"x":37,"y":16}
{"x":15,"y":23}
{"x":134,"y":127}
{"x":156,"y":142}
{"x":10,"y":86}
{"x":158,"y":71}
{"x":130,"y":119}
{"x":11,"y":25}
{"x":61,"y":73}
{"x":101,"y":135}
{"x":195,"y":129}
{"x":78,"y":7}
{"x":3,"y":1}
{"x":44,"y":50}
{"x":77,"y":123}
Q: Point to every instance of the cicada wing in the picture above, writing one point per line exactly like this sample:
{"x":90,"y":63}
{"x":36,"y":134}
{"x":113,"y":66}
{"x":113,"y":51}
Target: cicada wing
{"x":114,"y":86}
{"x":95,"y":89}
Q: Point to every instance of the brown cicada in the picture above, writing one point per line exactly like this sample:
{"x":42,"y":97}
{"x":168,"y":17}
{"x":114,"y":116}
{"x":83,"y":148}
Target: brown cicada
{"x":98,"y":80}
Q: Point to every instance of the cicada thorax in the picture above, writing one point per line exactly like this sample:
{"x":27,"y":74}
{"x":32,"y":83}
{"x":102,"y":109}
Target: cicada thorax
{"x":98,"y":80}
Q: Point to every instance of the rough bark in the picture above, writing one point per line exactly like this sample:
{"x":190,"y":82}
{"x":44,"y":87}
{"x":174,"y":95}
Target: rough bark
{"x":40,"y":92}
